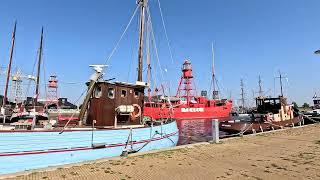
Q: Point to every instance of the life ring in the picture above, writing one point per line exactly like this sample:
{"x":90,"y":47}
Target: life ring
{"x":135,"y":114}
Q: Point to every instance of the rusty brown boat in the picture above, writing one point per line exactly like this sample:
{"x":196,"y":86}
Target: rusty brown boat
{"x":271,"y":113}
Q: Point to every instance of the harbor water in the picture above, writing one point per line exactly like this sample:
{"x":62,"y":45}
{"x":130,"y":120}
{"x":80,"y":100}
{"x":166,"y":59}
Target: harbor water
{"x":196,"y":130}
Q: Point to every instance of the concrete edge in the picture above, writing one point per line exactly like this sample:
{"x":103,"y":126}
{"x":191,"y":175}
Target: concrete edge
{"x":52,"y":168}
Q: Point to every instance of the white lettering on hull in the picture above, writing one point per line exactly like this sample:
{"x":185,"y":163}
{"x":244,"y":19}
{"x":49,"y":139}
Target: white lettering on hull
{"x":192,"y":110}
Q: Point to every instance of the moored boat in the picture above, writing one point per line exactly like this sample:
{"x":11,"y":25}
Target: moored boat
{"x":186,"y":105}
{"x":313,"y":115}
{"x":271,"y":113}
{"x":112,"y":123}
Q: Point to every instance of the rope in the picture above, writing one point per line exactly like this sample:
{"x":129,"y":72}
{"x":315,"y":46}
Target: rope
{"x":155,"y":45}
{"x":310,"y":119}
{"x":156,"y":133}
{"x":34,"y":65}
{"x":121,"y":37}
{"x":239,"y":133}
{"x":72,"y":113}
{"x":165,"y":31}
{"x":44,"y":77}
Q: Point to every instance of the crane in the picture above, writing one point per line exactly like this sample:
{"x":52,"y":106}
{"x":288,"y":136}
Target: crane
{"x":17,"y":79}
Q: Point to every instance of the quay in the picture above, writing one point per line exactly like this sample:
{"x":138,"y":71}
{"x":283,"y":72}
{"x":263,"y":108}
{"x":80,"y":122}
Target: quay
{"x":286,"y":154}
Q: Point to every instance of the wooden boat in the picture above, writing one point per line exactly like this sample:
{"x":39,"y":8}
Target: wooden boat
{"x":271,"y":113}
{"x":112,"y":123}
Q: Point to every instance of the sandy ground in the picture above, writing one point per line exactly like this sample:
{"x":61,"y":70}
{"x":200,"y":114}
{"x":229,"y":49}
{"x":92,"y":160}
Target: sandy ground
{"x":289,"y":154}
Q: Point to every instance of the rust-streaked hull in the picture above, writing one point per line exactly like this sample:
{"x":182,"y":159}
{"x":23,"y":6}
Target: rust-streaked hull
{"x":256,"y":126}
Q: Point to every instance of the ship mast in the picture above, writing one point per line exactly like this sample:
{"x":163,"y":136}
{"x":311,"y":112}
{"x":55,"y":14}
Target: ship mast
{"x":9,"y":66}
{"x":215,"y":92}
{"x":242,"y":95}
{"x":281,"y":83}
{"x":148,"y":34}
{"x":99,"y":68}
{"x":143,"y":5}
{"x":260,"y":87}
{"x":39,"y":65}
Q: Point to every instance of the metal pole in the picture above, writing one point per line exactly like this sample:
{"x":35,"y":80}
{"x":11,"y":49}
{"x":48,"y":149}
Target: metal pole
{"x":215,"y":130}
{"x":281,"y":84}
{"x":9,"y":66}
{"x":143,"y":4}
{"x":38,"y":70}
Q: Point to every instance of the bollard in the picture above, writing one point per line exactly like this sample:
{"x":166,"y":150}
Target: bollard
{"x":215,"y":130}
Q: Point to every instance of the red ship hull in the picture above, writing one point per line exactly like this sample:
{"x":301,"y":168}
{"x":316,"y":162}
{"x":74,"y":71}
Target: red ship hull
{"x":185,"y":112}
{"x":186,"y":104}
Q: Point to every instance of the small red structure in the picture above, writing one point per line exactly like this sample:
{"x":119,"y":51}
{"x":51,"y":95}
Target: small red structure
{"x":185,"y":85}
{"x":186,"y":104}
{"x":52,"y":92}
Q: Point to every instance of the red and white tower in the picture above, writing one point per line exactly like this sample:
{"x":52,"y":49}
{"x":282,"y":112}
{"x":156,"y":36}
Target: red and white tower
{"x":185,"y":85}
{"x":52,"y":92}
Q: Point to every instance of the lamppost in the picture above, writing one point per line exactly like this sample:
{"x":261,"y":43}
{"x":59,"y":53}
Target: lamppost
{"x":317,"y":51}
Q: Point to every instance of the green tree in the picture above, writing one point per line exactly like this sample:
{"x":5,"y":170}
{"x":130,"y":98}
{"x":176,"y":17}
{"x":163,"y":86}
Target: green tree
{"x":295,"y":105}
{"x":305,"y":105}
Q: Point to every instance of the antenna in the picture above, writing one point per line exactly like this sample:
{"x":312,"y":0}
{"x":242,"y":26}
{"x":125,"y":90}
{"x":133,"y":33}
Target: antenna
{"x":281,"y":84}
{"x":98,"y":67}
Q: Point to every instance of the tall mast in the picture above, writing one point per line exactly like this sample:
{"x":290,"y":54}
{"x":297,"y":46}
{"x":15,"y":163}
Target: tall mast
{"x":281,"y":84}
{"x":143,"y":5}
{"x":242,"y":94}
{"x":148,"y":57}
{"x":214,"y":93}
{"x":39,"y":65}
{"x":260,"y":87}
{"x":10,"y":63}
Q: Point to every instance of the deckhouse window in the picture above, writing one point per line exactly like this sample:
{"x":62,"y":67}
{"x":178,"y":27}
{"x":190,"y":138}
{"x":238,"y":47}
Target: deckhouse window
{"x":111,"y":93}
{"x":136,"y":94}
{"x":123,"y":93}
{"x":97,"y":92}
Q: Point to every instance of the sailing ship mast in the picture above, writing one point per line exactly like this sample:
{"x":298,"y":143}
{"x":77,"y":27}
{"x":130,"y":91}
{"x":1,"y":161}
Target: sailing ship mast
{"x":99,"y":68}
{"x":143,"y":5}
{"x":10,"y":64}
{"x":38,"y":70}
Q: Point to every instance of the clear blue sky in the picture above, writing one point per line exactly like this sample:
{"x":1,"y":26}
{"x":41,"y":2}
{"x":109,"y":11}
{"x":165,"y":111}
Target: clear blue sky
{"x":251,"y":37}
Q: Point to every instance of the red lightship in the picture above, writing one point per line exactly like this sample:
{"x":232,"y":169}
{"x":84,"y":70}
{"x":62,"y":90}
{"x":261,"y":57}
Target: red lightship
{"x":186,"y":105}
